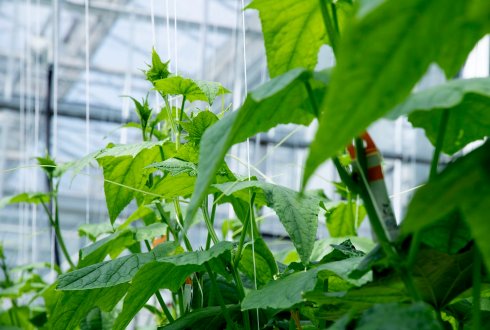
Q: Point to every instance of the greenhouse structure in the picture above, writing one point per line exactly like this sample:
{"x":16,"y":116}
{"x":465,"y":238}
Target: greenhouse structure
{"x":244,"y":164}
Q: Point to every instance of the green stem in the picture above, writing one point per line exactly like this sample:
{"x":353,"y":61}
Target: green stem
{"x":208,"y":222}
{"x":181,"y":302}
{"x":311,"y":96}
{"x":179,"y":127}
{"x":476,"y":290}
{"x":180,"y":223}
{"x":164,"y":218}
{"x":244,"y":232}
{"x":327,"y":21}
{"x":415,"y":244}
{"x":335,"y":18}
{"x":241,"y":293}
{"x":57,"y":232}
{"x":213,"y":215}
{"x":221,"y":301}
{"x":170,"y":115}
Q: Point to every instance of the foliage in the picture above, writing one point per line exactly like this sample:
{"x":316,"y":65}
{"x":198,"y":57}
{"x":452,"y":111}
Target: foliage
{"x":431,"y":273}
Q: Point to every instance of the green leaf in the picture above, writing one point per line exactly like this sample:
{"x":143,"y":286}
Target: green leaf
{"x":113,"y":272}
{"x":193,"y":90}
{"x":344,"y":219}
{"x":112,"y":245}
{"x":380,"y":59}
{"x":468,"y":104}
{"x":261,"y":258}
{"x":158,"y":69}
{"x":334,"y":305}
{"x":463,"y":186}
{"x":169,"y":273}
{"x":72,"y":306}
{"x":297,"y":213}
{"x":272,"y":294}
{"x":97,"y":320}
{"x":323,"y":246}
{"x":198,"y":125}
{"x":29,"y":198}
{"x":124,"y":172}
{"x":149,"y":232}
{"x":440,"y":277}
{"x":175,"y":166}
{"x":143,"y":111}
{"x":400,"y":316}
{"x":94,"y":230}
{"x":204,"y":318}
{"x":281,"y":100}
{"x":344,"y":250}
{"x":449,"y":235}
{"x":293,"y":33}
{"x":48,"y":165}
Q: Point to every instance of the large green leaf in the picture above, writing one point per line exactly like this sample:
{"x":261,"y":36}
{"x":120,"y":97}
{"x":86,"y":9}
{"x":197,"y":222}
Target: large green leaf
{"x":297,"y":213}
{"x":111,"y":245}
{"x":272,"y":295}
{"x":72,"y":306}
{"x":381,"y":57}
{"x":124,"y":171}
{"x":208,"y":318}
{"x":463,"y":186}
{"x":259,"y":258}
{"x":399,"y":316}
{"x":293,"y":32}
{"x":193,"y":90}
{"x":333,"y":305}
{"x":281,"y":100}
{"x":468,"y":104}
{"x":169,"y":273}
{"x":111,"y":273}
{"x":344,"y":219}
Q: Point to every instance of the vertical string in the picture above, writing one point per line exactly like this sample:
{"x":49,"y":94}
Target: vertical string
{"x":87,"y":106}
{"x":37,"y":77}
{"x":55,"y":76}
{"x":245,"y":89}
{"x":127,"y":81}
{"x":176,"y":45}
{"x":54,"y":150}
{"x":167,"y":14}
{"x":154,"y":44}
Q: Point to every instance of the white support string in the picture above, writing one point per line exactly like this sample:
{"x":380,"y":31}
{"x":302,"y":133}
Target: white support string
{"x":37,"y":103}
{"x":245,"y":89}
{"x":176,"y":45}
{"x":87,"y":105}
{"x":167,"y":14}
{"x":54,"y":150}
{"x":154,"y":42}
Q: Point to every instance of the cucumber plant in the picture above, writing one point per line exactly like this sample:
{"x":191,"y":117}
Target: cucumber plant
{"x":429,"y":272}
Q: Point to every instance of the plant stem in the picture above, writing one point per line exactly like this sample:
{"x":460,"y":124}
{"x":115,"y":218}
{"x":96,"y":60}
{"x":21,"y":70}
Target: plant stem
{"x":476,"y":291}
{"x":170,"y":115}
{"x":311,"y":96}
{"x":241,"y":293}
{"x":181,"y":302}
{"x":57,"y":232}
{"x":221,"y":301}
{"x":439,"y":144}
{"x":327,"y":21}
{"x":244,"y":231}
{"x":213,"y":215}
{"x":207,"y":220}
{"x":179,"y":127}
{"x":180,"y":222}
{"x":415,"y":244}
{"x":164,"y":218}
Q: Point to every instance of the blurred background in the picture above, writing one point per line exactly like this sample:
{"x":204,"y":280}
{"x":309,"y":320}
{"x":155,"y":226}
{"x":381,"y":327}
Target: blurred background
{"x":65,"y":65}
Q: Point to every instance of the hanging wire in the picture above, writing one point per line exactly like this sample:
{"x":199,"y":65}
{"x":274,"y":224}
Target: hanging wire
{"x":87,"y":105}
{"x":245,"y":89}
{"x":37,"y":103}
{"x":54,"y":150}
{"x":154,"y":44}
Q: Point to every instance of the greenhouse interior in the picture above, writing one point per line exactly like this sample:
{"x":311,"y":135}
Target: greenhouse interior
{"x":244,"y":164}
